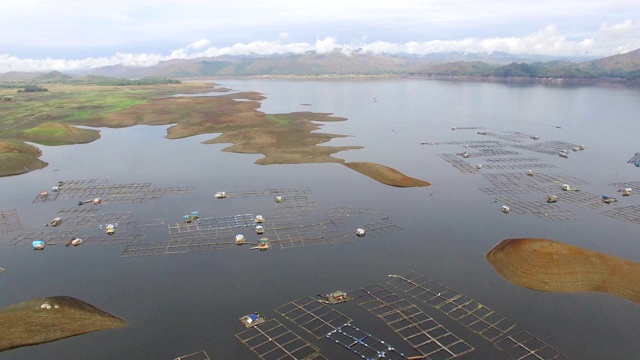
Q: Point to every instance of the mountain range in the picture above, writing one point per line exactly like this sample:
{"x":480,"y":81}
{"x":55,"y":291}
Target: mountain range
{"x":622,"y":67}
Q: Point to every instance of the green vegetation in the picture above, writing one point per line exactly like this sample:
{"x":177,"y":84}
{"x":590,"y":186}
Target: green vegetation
{"x":279,"y":120}
{"x":33,"y":88}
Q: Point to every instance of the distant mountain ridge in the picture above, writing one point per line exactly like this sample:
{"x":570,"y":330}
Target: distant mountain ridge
{"x":623,"y":66}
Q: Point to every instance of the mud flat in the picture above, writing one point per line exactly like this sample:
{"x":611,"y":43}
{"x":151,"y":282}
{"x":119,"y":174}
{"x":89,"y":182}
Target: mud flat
{"x":49,"y":319}
{"x":385,"y":174}
{"x":549,"y":265}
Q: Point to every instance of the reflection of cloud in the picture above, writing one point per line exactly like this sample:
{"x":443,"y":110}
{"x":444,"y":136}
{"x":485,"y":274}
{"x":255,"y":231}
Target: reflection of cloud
{"x":547,"y":41}
{"x":621,"y":29}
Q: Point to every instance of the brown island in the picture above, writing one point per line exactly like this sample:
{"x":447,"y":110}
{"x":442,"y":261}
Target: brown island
{"x":281,"y":138}
{"x":549,"y":265}
{"x":49,"y":319}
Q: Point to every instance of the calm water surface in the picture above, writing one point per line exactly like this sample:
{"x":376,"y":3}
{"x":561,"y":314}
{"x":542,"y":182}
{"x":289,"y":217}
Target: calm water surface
{"x":177,"y":304}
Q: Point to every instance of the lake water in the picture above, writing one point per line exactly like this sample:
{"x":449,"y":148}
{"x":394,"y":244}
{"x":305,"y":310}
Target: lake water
{"x":182,"y":303}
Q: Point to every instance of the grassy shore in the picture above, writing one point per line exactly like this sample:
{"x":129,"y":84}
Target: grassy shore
{"x":50,"y":118}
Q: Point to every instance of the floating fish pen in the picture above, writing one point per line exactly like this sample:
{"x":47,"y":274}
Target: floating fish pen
{"x":300,"y":239}
{"x":630,"y":184}
{"x":364,"y":344}
{"x":272,"y":340}
{"x":297,"y":206}
{"x":78,"y":210}
{"x":142,"y":225}
{"x":380,"y":227}
{"x":118,"y":238}
{"x":492,"y":152}
{"x":520,"y":159}
{"x":461,"y":165}
{"x":542,"y":209}
{"x":45,"y":196}
{"x":340,"y":212}
{"x":313,"y":316}
{"x":222,"y":222}
{"x":91,"y":219}
{"x":625,"y":213}
{"x":467,"y":128}
{"x":519,"y":166}
{"x":126,"y":193}
{"x":523,"y":345}
{"x":271,"y":192}
{"x":483,"y":143}
{"x":468,"y":312}
{"x":547,"y":147}
{"x":178,"y":246}
{"x":513,"y":136}
{"x":421,"y":331}
{"x":10,"y":221}
{"x":49,"y":237}
{"x":582,"y":199}
{"x":200,"y":355}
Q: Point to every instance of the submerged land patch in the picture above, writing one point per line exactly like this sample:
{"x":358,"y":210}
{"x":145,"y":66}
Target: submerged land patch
{"x":51,"y":118}
{"x":49,"y":319}
{"x":549,"y":265}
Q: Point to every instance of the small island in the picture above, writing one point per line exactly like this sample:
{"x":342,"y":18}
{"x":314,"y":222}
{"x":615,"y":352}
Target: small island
{"x":549,"y":265}
{"x":49,"y":319}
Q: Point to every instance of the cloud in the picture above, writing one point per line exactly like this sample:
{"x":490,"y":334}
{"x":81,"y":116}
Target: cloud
{"x":621,"y":29}
{"x":547,"y":41}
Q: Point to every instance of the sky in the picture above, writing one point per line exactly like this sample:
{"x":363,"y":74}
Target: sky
{"x":68,"y":35}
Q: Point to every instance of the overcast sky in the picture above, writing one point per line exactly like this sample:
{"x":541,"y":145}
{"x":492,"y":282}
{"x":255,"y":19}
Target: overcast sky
{"x":74,"y":34}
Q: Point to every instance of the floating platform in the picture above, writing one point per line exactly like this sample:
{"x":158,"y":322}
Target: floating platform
{"x":459,"y":164}
{"x":513,"y":136}
{"x":293,"y":205}
{"x":582,"y":199}
{"x":179,"y":246}
{"x":272,"y":340}
{"x":117,"y":238}
{"x":79,"y":210}
{"x":10,"y":221}
{"x":518,"y":160}
{"x":492,"y":152}
{"x":200,"y":355}
{"x":421,"y":331}
{"x":632,"y":184}
{"x":380,"y":227}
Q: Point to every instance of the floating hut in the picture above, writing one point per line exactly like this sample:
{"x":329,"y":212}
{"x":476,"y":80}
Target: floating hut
{"x":335,"y":297}
{"x":505,"y":209}
{"x":43,"y":194}
{"x":38,"y":245}
{"x":626,"y":191}
{"x":581,"y":147}
{"x":637,"y":163}
{"x":97,"y":201}
{"x":74,"y":241}
{"x":531,"y":172}
{"x":575,"y":149}
{"x":55,"y":189}
{"x":360,"y":232}
{"x":263,"y":244}
{"x":187,"y":219}
{"x":608,"y":199}
{"x":279,"y":199}
{"x":259,"y":229}
{"x":479,"y":166}
{"x":453,"y":128}
{"x":252,"y":319}
{"x":240,"y":240}
{"x":55,"y":222}
{"x":566,"y":187}
{"x":465,"y":154}
{"x":259,"y":219}
{"x":552,"y":198}
{"x":564,"y":154}
{"x":535,"y":138}
{"x":110,"y":229}
{"x":482,"y":133}
{"x":221,"y":195}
